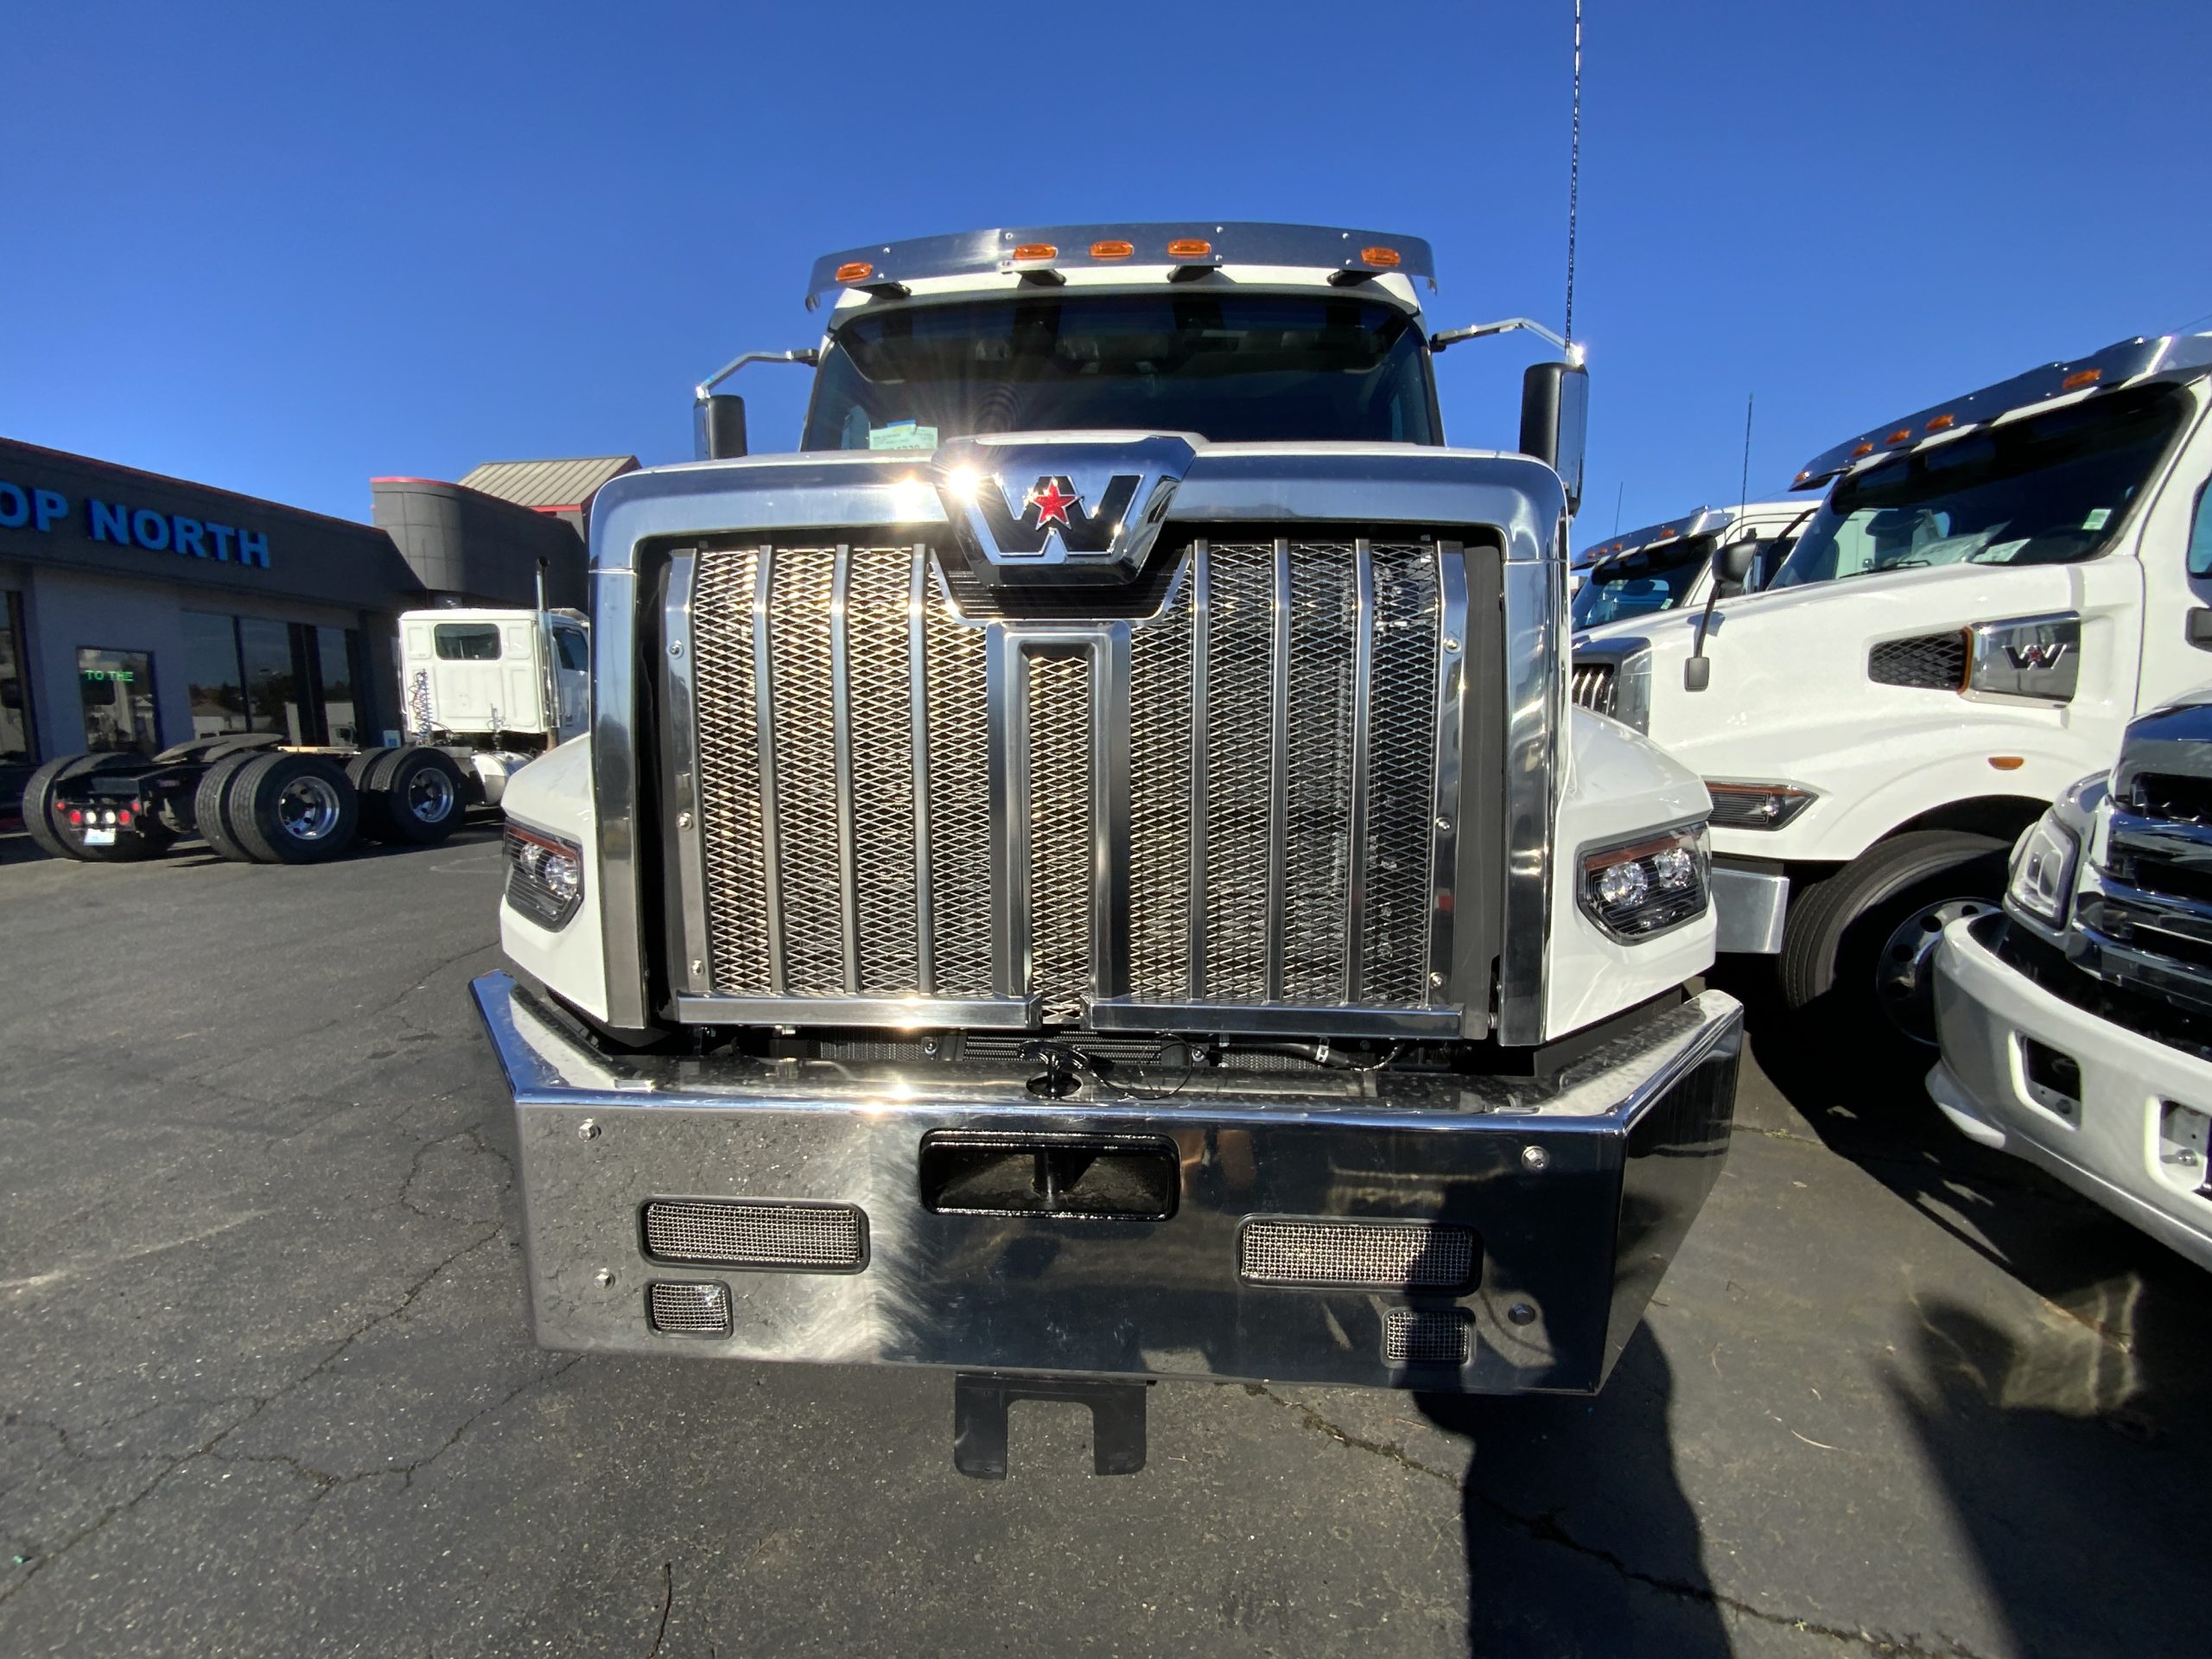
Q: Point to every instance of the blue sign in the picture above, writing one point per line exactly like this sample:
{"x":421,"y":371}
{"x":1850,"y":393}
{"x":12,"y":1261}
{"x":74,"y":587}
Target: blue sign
{"x":128,"y":526}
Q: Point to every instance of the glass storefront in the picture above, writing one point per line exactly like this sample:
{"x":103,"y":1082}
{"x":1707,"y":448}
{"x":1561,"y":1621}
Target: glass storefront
{"x":18,"y":742}
{"x":249,"y":674}
{"x":116,"y":689}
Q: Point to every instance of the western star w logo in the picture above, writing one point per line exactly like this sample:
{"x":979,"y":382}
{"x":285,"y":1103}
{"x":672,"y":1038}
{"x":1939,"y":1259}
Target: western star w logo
{"x":1052,"y":504}
{"x":2037,"y":654}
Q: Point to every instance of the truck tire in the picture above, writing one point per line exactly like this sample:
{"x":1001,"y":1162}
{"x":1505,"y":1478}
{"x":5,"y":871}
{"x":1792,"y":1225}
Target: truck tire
{"x":373,"y":825}
{"x":1858,"y":949}
{"x":422,"y":795}
{"x":39,"y":820}
{"x":293,"y":809}
{"x":211,"y":806}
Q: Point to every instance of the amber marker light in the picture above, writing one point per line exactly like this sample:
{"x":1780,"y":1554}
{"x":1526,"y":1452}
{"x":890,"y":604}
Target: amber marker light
{"x":1941,"y":423}
{"x":1866,"y":448}
{"x":858,"y":271}
{"x":1899,"y":435}
{"x":1112,"y":250}
{"x":1189,"y":247}
{"x":2080,"y":378}
{"x":2008,"y":762}
{"x":1387,"y":258}
{"x":1036,"y":251}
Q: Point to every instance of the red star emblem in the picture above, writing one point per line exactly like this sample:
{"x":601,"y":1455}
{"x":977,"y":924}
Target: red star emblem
{"x":1051,"y":504}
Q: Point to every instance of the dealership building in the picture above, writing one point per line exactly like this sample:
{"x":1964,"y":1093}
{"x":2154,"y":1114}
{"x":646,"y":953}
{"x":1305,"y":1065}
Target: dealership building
{"x":138,"y":611}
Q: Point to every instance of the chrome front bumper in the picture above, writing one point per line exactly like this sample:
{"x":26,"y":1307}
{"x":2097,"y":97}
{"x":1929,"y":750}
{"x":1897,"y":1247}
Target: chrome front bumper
{"x":1579,"y":1191}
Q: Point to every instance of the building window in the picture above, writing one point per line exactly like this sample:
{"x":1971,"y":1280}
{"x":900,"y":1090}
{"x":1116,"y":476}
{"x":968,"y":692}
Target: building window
{"x":466,"y":642}
{"x":117,"y":688}
{"x":293,"y":679}
{"x":272,"y":678}
{"x":337,"y":656}
{"x":213,"y":675}
{"x":18,"y":739}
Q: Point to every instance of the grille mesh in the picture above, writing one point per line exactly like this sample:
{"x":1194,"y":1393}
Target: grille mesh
{"x":1420,"y":1335}
{"x":821,"y":1237}
{"x":1221,"y":780}
{"x":1059,"y":832}
{"x":1936,"y":661}
{"x":1359,"y":1255}
{"x":1592,"y":686}
{"x":688,"y":1310}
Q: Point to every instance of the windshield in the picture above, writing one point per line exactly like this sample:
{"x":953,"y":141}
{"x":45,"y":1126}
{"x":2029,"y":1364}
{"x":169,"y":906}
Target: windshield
{"x":1637,"y":584}
{"x":2048,"y":490}
{"x":1232,"y":367}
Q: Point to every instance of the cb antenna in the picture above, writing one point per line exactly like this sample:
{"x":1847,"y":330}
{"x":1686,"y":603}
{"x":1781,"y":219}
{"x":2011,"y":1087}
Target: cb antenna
{"x":1744,"y":490}
{"x":1574,"y":171}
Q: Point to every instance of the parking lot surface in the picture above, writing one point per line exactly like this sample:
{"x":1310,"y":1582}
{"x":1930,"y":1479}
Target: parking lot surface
{"x":267,"y":1385}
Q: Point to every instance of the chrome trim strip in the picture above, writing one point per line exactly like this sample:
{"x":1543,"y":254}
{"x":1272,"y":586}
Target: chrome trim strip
{"x":614,"y":785}
{"x":1110,"y":716}
{"x":764,"y":743}
{"x":679,"y":784}
{"x":1201,"y":620}
{"x":1278,"y":779}
{"x":997,"y":1013}
{"x":1006,"y":698}
{"x":1274,"y":1019}
{"x":1535,"y":722}
{"x":841,"y":740}
{"x":917,"y":696}
{"x":1453,"y":620}
{"x":1362,"y":688}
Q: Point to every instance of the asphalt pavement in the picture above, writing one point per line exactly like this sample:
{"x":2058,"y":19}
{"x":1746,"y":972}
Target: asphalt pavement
{"x":267,"y":1384}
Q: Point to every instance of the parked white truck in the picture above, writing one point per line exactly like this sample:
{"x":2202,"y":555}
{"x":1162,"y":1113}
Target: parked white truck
{"x":1669,"y":567}
{"x":2077,"y":1026}
{"x":483,"y":693}
{"x":1089,"y":871}
{"x":1991,"y":590}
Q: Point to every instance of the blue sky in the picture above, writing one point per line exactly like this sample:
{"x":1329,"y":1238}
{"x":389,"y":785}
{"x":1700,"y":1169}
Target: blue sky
{"x":285,"y":249}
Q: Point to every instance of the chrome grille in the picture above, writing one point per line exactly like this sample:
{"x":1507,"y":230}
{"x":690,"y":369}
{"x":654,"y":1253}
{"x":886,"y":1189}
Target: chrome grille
{"x":688,"y":1310}
{"x":1421,"y":1336}
{"x":803,"y":1237}
{"x":1592,"y":687}
{"x":1358,"y":1254}
{"x":872,"y":826}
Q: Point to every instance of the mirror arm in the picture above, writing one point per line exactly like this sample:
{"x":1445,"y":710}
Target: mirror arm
{"x":809,"y":355}
{"x":1477,"y":331}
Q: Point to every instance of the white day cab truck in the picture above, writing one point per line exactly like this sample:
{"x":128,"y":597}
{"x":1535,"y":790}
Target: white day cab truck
{"x":2076,"y":1026}
{"x":483,"y":693}
{"x":1092,"y":873}
{"x":1991,"y":590}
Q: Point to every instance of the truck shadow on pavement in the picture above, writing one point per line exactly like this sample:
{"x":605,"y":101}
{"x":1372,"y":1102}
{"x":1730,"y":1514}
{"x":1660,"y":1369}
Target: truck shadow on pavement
{"x":1579,"y":1539}
{"x":2070,"y":1441}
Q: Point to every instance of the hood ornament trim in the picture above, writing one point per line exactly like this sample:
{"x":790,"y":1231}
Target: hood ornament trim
{"x":1086,"y":508}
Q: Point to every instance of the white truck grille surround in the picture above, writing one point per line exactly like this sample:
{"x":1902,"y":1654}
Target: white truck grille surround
{"x":1231,"y":802}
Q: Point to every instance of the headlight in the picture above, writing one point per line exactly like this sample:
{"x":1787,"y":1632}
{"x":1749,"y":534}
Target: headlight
{"x":1756,"y":806}
{"x":546,"y":875}
{"x":2042,"y":879}
{"x":1638,"y":889}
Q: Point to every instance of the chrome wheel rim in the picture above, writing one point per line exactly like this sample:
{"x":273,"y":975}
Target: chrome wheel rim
{"x":308,"y":809}
{"x":1904,"y":971}
{"x":430,"y":795}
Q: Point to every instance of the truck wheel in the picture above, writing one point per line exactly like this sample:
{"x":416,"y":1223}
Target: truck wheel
{"x":374,"y":824}
{"x":1859,"y":948}
{"x":211,"y":806}
{"x":293,"y":809}
{"x":40,"y":820}
{"x":424,"y":796}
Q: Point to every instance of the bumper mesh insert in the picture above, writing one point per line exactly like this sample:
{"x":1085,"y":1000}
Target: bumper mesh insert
{"x":1420,"y":1335}
{"x":1356,"y":1255}
{"x":795,"y":1238}
{"x":688,"y":1310}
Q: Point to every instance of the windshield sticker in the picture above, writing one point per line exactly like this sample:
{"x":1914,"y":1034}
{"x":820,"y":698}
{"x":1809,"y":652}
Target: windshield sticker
{"x":902,"y":435}
{"x":2098,"y":518}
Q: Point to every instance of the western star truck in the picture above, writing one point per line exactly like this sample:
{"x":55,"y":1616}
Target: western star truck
{"x":482,"y":693}
{"x":1088,"y":872}
{"x":1669,"y":567}
{"x":2077,"y":1026}
{"x":1992,"y":588}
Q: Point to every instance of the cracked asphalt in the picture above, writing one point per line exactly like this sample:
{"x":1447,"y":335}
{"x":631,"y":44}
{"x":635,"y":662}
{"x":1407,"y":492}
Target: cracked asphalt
{"x":266,"y":1385}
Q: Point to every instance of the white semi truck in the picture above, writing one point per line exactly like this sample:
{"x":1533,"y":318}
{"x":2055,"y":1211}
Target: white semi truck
{"x":2076,"y":1026}
{"x":1669,"y":567}
{"x":1090,"y":871}
{"x":1991,"y":589}
{"x":482,"y":692}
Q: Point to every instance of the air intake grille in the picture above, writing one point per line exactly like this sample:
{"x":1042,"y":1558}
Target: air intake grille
{"x":1593,"y":687}
{"x":1279,"y":747}
{"x":1357,"y":1255}
{"x":688,"y":1310}
{"x":1936,"y":661}
{"x":797,"y":1237}
{"x":1420,"y":1335}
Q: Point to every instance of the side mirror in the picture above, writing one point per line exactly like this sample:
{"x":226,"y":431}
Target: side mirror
{"x":1734,"y":563}
{"x":718,"y":427}
{"x":2197,"y":629}
{"x":1555,"y":421}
